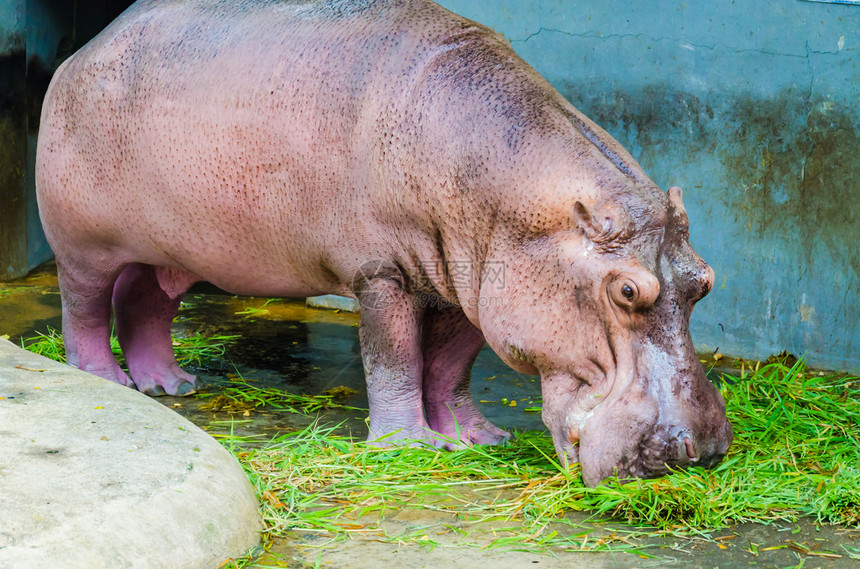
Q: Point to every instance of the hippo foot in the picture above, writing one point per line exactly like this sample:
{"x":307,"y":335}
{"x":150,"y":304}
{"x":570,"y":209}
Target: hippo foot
{"x":482,"y":432}
{"x":455,"y":437}
{"x":173,"y":381}
{"x":463,"y":426}
{"x":414,"y":437}
{"x":111,"y":372}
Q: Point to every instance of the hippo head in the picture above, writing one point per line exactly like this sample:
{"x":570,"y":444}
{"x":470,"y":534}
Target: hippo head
{"x":599,"y":306}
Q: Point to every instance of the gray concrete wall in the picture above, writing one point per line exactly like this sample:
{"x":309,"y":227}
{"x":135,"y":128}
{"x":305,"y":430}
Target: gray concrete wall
{"x":754,"y":109}
{"x":50,"y":39}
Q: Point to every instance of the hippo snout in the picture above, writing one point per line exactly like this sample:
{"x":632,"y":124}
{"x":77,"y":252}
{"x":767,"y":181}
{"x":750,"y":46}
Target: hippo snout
{"x":643,"y":441}
{"x":670,"y":447}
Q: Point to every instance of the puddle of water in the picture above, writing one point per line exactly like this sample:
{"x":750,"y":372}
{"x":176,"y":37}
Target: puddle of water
{"x":307,"y":351}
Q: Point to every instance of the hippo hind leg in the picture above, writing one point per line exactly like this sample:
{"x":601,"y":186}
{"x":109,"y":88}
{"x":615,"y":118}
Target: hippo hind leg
{"x":85,"y":289}
{"x":451,"y":344}
{"x":145,"y":301}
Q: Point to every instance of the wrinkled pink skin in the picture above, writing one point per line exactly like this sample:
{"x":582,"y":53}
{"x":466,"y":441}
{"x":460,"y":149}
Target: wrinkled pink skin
{"x":355,"y":148}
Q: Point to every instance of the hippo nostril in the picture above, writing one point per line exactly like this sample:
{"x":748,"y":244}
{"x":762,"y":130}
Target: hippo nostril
{"x":691,"y":452}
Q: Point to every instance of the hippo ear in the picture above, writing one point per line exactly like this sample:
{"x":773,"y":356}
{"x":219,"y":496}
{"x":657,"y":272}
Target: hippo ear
{"x":588,"y":223}
{"x":676,"y":196}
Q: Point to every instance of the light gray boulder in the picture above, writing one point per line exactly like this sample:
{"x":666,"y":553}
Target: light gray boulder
{"x":94,"y":474}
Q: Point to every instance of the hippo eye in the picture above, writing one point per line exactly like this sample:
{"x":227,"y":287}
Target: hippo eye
{"x":627,"y":292}
{"x":634,"y":292}
{"x":624,"y":293}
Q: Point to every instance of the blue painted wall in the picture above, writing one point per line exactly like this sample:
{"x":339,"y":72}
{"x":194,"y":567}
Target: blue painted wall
{"x":754,"y":109}
{"x":12,"y":20}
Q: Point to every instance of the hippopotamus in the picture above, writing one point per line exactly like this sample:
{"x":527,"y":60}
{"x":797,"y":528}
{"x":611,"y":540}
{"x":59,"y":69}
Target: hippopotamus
{"x":394,"y":152}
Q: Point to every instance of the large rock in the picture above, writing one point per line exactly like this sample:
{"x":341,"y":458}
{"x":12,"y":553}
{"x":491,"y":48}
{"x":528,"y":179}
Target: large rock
{"x":93,"y":474}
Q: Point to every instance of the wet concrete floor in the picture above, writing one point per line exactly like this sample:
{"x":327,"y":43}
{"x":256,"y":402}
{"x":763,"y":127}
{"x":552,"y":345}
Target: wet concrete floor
{"x":287,"y":346}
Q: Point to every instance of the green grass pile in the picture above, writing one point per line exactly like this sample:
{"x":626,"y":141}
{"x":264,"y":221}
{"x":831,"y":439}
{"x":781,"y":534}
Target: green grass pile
{"x":796,"y":452}
{"x":239,"y":393}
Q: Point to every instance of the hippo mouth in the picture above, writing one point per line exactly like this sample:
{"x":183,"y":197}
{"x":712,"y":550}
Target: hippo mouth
{"x":659,"y":457}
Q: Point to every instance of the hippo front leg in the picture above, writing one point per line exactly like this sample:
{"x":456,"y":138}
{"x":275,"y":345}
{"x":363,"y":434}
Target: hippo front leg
{"x":390,"y":335}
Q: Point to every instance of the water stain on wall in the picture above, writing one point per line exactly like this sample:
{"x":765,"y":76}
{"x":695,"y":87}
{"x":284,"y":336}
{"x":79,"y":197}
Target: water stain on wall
{"x":800,"y":175}
{"x":13,"y":162}
{"x":830,"y":191}
{"x":790,"y":167}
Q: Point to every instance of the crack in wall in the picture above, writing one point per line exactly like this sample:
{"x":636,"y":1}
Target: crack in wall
{"x":809,"y":108}
{"x":683,"y":43}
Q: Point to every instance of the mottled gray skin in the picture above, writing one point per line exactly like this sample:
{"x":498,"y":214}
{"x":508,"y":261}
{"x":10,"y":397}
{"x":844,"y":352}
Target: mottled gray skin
{"x":395,"y":152}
